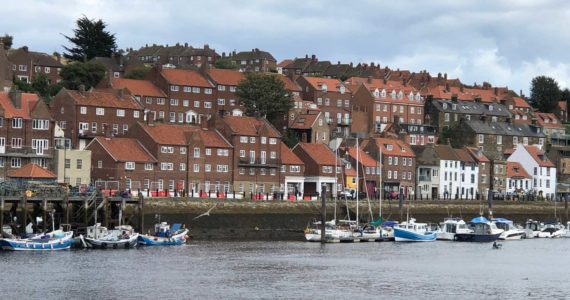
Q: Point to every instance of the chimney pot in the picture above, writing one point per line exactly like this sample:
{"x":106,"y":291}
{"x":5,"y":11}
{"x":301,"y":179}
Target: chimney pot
{"x":186,"y":45}
{"x":81,"y":89}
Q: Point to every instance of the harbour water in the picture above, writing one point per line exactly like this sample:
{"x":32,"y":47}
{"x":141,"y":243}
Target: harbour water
{"x":529,"y":269}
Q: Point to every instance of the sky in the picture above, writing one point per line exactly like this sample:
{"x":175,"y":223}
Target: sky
{"x":506,"y":43}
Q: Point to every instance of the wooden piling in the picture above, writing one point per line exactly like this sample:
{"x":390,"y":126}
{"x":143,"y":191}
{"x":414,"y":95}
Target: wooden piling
{"x":1,"y":214}
{"x":45,"y":214}
{"x":24,"y":211}
{"x":105,"y":212}
{"x":122,"y":214}
{"x":86,"y":212}
{"x":141,"y":213}
{"x":67,"y":208}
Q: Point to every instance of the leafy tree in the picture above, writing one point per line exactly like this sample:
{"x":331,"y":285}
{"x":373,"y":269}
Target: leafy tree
{"x":90,"y":39}
{"x":40,"y":84}
{"x":88,"y":73}
{"x":290,"y":138}
{"x":264,"y":96}
{"x":137,"y":73}
{"x":544,"y":93}
{"x":565,"y":94}
{"x":225,"y":64}
{"x":23,"y":86}
{"x":7,"y":40}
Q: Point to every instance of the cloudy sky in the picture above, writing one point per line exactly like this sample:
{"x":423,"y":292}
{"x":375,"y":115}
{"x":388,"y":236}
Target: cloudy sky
{"x":504,"y":42}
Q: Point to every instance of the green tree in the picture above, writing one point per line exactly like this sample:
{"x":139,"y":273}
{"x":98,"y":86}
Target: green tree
{"x":225,"y":64}
{"x":290,"y":138}
{"x":82,"y":73}
{"x":264,"y":96}
{"x":7,"y":40}
{"x":137,"y":73}
{"x":544,"y":93}
{"x":90,"y":39}
{"x":565,"y":94}
{"x":41,"y":84}
{"x":23,"y":86}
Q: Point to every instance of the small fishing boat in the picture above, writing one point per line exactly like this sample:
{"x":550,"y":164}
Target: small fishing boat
{"x":449,"y":227}
{"x":55,"y":240}
{"x":413,"y":232}
{"x":481,"y":230}
{"x":511,"y":231}
{"x":122,"y":237}
{"x":552,"y":230}
{"x":532,"y":228}
{"x":164,"y":235}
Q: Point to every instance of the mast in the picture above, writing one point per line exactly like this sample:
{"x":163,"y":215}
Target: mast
{"x":335,"y":192}
{"x":380,"y":182}
{"x":357,"y":180}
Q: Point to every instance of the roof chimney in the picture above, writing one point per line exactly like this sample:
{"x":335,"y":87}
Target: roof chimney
{"x":445,"y":76}
{"x":369,"y":79}
{"x":16,"y":97}
{"x":496,"y":91}
{"x":82,"y":89}
{"x":25,"y":48}
{"x":186,"y":45}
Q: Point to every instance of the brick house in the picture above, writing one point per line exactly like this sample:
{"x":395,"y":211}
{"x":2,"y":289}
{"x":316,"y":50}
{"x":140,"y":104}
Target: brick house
{"x":310,"y":126}
{"x":190,"y":96}
{"x":188,"y":157}
{"x":448,"y":113}
{"x":124,"y":161}
{"x":333,"y":98}
{"x":179,"y":55}
{"x":26,"y":132}
{"x":152,"y":99}
{"x":321,"y":167}
{"x":484,"y":165}
{"x":6,"y":74}
{"x":368,"y":170}
{"x":550,"y":124}
{"x":292,"y":174}
{"x":398,"y":161}
{"x":561,"y":110}
{"x":27,"y":64}
{"x":98,"y":112}
{"x":254,"y":61}
{"x":384,"y":101}
{"x":256,"y":155}
{"x":225,"y":82}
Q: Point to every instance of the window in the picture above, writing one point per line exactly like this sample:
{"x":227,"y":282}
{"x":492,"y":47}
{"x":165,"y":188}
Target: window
{"x":16,"y":143}
{"x":99,"y":164}
{"x":67,"y":163}
{"x":499,"y":139}
{"x":160,"y":101}
{"x":166,"y":166}
{"x":389,"y":174}
{"x":207,"y":104}
{"x":232,"y":89}
{"x":120,"y":112}
{"x":187,"y":89}
{"x":446,"y":117}
{"x":22,"y":68}
{"x":115,"y":129}
{"x":79,"y":164}
{"x":196,"y":103}
{"x":221,"y":102}
{"x":395,"y":160}
{"x":243,"y":139}
{"x":222,"y":168}
{"x":172,"y":117}
{"x":182,"y":150}
{"x":252,"y":140}
{"x":481,"y":139}
{"x":196,"y":168}
{"x":185,"y":103}
{"x":273,"y":141}
{"x":263,"y":140}
{"x":295,"y":169}
{"x":196,"y":90}
{"x":207,"y":167}
{"x":125,"y":128}
{"x":174,"y":102}
{"x":40,"y":124}
{"x":148,"y":166}
{"x":196,"y":152}
{"x":136,"y":114}
{"x":241,"y":153}
{"x":17,"y":123}
{"x":221,"y":87}
{"x":174,"y":88}
{"x":207,"y":91}
{"x":100,"y":111}
{"x":129,"y":165}
{"x":395,"y":174}
{"x":182,"y":167}
{"x":273,"y":155}
{"x":16,"y":162}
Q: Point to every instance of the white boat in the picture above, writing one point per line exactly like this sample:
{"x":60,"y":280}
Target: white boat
{"x":511,"y":231}
{"x":371,"y":233}
{"x":333,"y":233}
{"x":532,"y":228}
{"x":449,"y":227}
{"x":413,"y":232}
{"x":568,"y":230}
{"x":552,"y":230}
{"x":120,"y":237}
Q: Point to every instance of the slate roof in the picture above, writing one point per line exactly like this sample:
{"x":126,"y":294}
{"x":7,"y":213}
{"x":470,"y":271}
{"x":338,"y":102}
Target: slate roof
{"x":505,"y":129}
{"x":426,"y":155}
{"x":446,"y":152}
{"x":252,"y":55}
{"x":471,"y":108}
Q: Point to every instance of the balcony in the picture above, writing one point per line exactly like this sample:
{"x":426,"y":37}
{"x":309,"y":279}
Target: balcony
{"x":26,"y":152}
{"x":425,"y":178}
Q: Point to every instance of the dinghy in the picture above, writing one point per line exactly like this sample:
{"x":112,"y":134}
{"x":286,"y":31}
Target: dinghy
{"x":164,"y":235}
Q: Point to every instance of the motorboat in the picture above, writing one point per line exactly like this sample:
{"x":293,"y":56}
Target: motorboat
{"x":552,"y":230}
{"x":449,"y":227}
{"x":333,"y":233}
{"x":511,"y":231}
{"x":410,"y":231}
{"x":388,"y":230}
{"x":164,"y":235}
{"x":481,"y":230}
{"x":121,"y":237}
{"x":532,"y":228}
{"x":55,"y":240}
{"x":370,"y":233}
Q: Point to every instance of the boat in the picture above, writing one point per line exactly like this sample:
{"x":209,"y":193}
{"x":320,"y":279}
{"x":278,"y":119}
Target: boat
{"x":552,"y":230}
{"x":164,"y":235}
{"x":511,"y":231}
{"x":532,"y":228}
{"x":411,"y":231}
{"x":120,"y":237}
{"x":388,"y":230}
{"x":333,"y":233}
{"x":481,"y":230}
{"x":449,"y":227}
{"x":54,"y":240}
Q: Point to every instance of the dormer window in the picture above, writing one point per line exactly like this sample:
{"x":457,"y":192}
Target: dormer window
{"x":411,"y":96}
{"x":418,"y":97}
{"x":490,"y":107}
{"x":393,"y":95}
{"x":400,"y":95}
{"x":383,"y":93}
{"x":324,"y":87}
{"x":454,"y":106}
{"x":444,"y":105}
{"x":376,"y":93}
{"x":341,"y":89}
{"x":389,"y":147}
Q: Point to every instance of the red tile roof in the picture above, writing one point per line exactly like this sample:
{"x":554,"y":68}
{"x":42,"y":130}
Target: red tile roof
{"x":124,"y":149}
{"x":185,"y":77}
{"x":104,"y":98}
{"x":320,"y":153}
{"x":539,"y":156}
{"x":138,"y":87}
{"x":285,"y":63}
{"x":515,"y":170}
{"x":288,"y":157}
{"x":477,"y":154}
{"x":399,"y":148}
{"x":290,"y":85}
{"x":249,"y":125}
{"x":548,"y":120}
{"x":304,"y":121}
{"x":225,"y":77}
{"x":363,"y":158}
{"x":29,"y":100}
{"x":174,"y":134}
{"x":464,"y":155}
{"x":333,"y":85}
{"x":31,"y":171}
{"x":520,"y":102}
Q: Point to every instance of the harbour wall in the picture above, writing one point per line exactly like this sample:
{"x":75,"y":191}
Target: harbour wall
{"x":285,"y":220}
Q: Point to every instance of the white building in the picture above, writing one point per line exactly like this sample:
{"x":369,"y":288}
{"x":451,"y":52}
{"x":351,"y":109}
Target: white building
{"x":539,"y":167}
{"x":449,"y":172}
{"x":469,"y":181}
{"x":518,"y":180}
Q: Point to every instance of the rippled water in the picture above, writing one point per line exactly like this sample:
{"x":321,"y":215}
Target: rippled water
{"x":230,"y":270}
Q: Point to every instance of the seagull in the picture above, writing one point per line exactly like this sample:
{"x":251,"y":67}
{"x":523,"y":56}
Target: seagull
{"x":206,"y":213}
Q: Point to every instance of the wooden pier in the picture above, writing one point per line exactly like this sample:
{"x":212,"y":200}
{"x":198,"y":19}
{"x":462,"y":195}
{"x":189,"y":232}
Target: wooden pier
{"x":78,"y":211}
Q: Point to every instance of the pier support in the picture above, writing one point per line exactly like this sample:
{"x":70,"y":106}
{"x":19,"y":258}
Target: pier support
{"x":68,"y":207}
{"x":105,"y":212}
{"x":86,"y":212}
{"x":141,"y":213}
{"x":24,"y":212}
{"x":45,"y":214}
{"x":122,"y":212}
{"x":1,"y":215}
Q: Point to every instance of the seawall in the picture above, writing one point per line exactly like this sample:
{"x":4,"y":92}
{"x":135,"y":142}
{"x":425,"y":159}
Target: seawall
{"x":285,"y":220}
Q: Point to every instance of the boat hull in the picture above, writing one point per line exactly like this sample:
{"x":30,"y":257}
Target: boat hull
{"x":36,"y":245}
{"x":131,"y":242}
{"x":177,"y":239}
{"x":402,"y":235}
{"x":479,"y":238}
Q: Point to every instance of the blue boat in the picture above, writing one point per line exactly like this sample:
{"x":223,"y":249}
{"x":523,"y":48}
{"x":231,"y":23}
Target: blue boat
{"x":55,"y":240}
{"x":413,"y":232}
{"x":164,"y":235}
{"x":481,"y":230}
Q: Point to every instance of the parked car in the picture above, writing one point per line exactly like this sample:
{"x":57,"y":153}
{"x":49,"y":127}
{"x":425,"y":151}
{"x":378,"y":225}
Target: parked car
{"x":350,"y":194}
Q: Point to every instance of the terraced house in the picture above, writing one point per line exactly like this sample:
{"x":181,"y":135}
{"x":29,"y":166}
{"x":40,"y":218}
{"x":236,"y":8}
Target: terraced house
{"x":27,"y":64}
{"x":254,"y":61}
{"x":151,"y":98}
{"x":83,"y":115}
{"x":448,"y":113}
{"x":179,"y":55}
{"x":225,"y":82}
{"x":26,"y":132}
